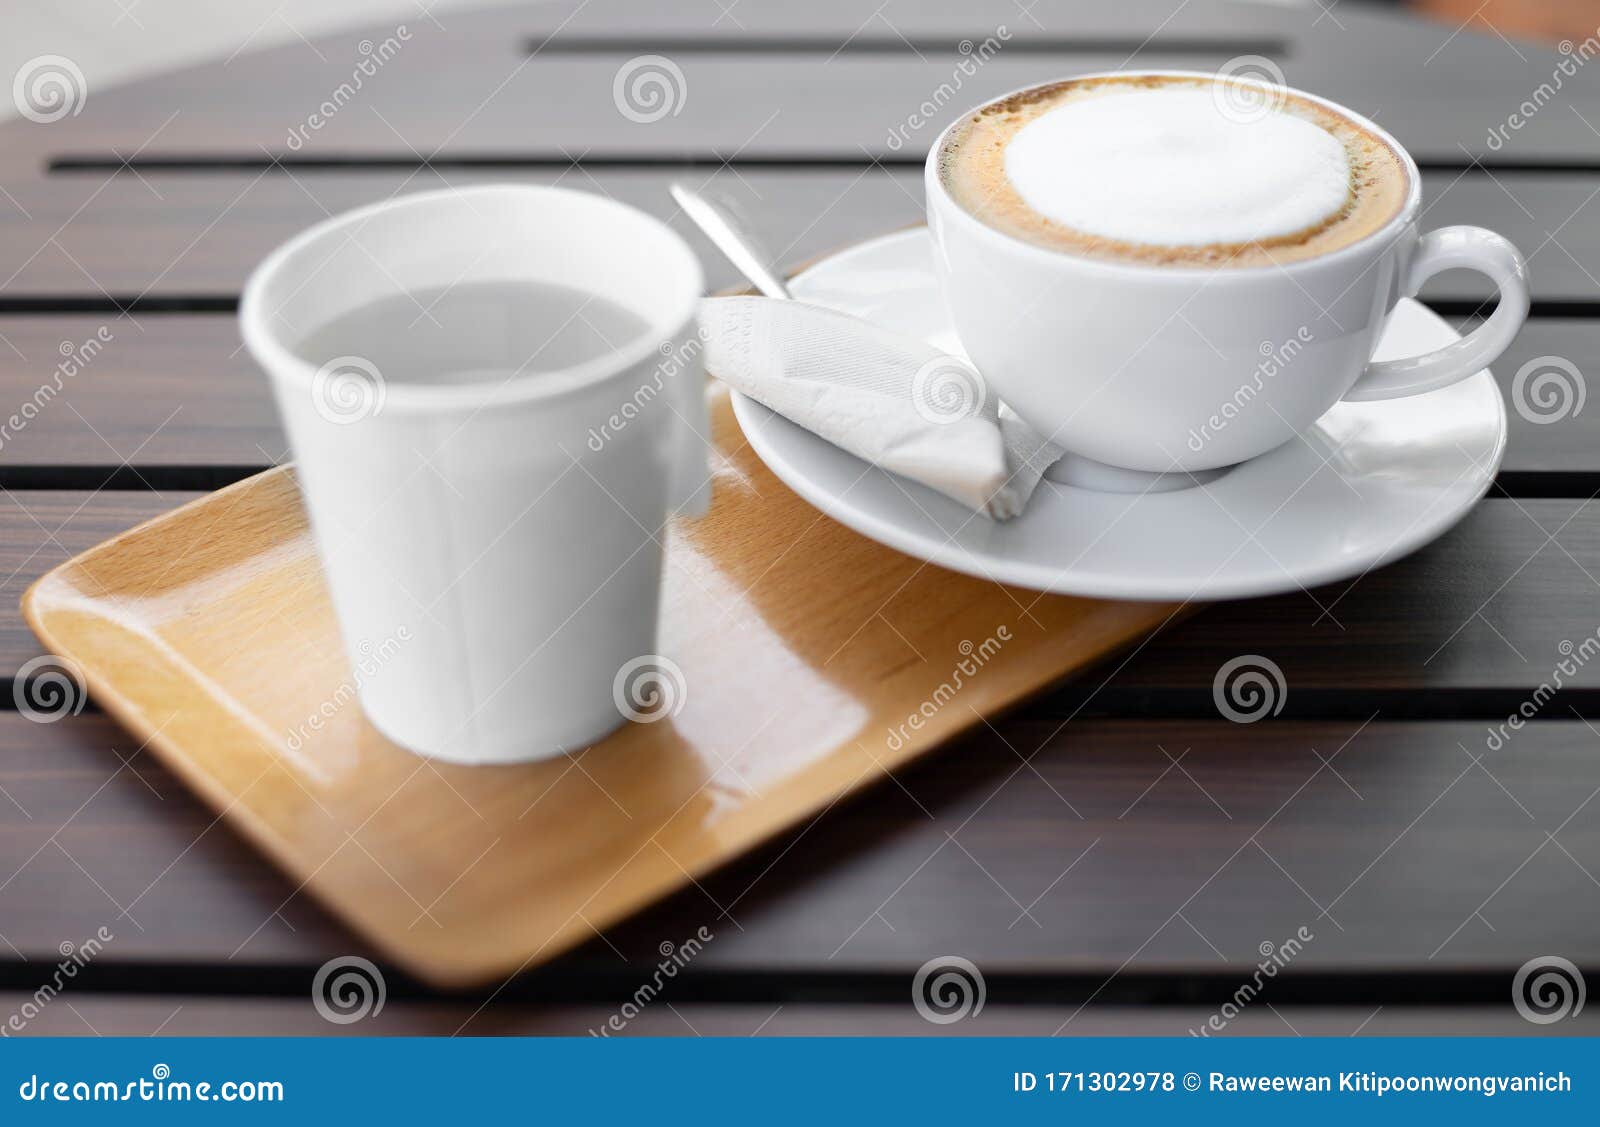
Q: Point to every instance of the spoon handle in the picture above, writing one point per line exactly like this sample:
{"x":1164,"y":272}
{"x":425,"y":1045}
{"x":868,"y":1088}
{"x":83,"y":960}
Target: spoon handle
{"x":732,"y":236}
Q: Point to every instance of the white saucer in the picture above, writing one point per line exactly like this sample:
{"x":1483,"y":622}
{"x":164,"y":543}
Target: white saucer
{"x":1368,"y":484}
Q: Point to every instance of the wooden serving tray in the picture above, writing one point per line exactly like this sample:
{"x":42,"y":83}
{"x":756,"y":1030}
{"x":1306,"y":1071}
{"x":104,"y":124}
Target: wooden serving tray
{"x":806,"y":650}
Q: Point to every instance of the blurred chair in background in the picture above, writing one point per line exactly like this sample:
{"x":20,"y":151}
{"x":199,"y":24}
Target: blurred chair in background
{"x":1548,"y":20}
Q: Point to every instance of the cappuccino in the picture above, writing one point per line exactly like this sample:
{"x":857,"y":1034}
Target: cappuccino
{"x":1173,"y":170}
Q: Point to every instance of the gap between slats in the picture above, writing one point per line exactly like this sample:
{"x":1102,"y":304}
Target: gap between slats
{"x":1568,"y":484}
{"x":895,"y":44}
{"x":1086,"y":700}
{"x":1560,"y":309}
{"x":1522,"y":485}
{"x":179,"y":163}
{"x":560,"y":984}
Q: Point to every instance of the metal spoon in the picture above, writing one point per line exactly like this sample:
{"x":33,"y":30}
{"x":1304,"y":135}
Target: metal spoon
{"x":730,"y":232}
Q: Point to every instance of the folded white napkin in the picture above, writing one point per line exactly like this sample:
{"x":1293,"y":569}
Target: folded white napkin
{"x":892,"y":400}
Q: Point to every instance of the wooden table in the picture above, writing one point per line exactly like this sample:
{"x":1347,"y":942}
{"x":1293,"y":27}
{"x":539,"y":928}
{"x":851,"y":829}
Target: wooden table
{"x":1114,"y":856}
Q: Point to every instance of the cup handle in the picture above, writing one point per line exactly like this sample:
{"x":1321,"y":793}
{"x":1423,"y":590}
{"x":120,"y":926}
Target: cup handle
{"x":691,"y":478}
{"x":1445,"y":249}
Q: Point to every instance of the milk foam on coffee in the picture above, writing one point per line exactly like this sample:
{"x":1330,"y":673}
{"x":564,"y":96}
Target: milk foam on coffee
{"x":1151,"y":169}
{"x":1170,"y":167}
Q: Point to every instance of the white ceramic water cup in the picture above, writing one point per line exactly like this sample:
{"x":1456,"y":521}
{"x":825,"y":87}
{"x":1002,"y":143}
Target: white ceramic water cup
{"x":493,"y":549}
{"x":1163,"y":368}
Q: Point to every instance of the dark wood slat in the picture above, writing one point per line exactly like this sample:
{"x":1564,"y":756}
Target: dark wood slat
{"x":1484,"y":609}
{"x":162,"y":391}
{"x":979,"y":838}
{"x":92,"y":826}
{"x":202,"y":235}
{"x":1115,"y":46}
{"x":237,"y":1017}
{"x":1119,"y":858}
{"x":121,"y":405}
{"x":180,"y":236}
{"x":39,"y":531}
{"x":1487,"y":607}
{"x":470,"y":88}
{"x":1547,"y":215}
{"x":840,"y":20}
{"x":799,"y":104}
{"x":1561,"y":433}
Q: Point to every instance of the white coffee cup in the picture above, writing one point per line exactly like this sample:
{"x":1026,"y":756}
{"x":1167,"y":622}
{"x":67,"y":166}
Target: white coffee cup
{"x":492,"y":566}
{"x":1161,"y":368}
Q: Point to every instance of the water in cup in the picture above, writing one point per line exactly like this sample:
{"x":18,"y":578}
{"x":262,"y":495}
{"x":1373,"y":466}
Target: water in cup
{"x":476,"y":332}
